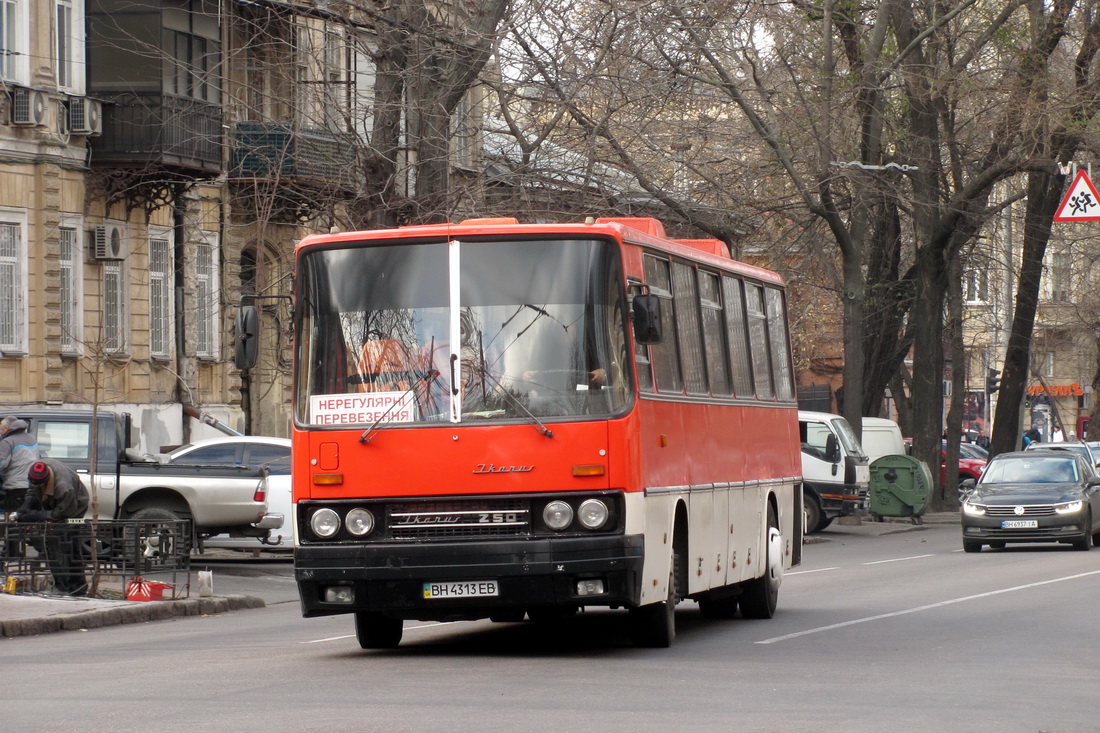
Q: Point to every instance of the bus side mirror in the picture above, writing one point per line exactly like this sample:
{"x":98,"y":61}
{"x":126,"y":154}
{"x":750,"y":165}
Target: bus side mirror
{"x":832,"y":449}
{"x":647,"y":319}
{"x":246,"y":342}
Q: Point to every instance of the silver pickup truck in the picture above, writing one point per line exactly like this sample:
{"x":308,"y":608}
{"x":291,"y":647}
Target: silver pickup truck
{"x":217,"y":499}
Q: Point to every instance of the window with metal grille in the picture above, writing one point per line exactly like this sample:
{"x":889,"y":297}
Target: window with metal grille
{"x":160,"y":296}
{"x":206,"y":306}
{"x":71,"y":313}
{"x":114,"y":308}
{"x":12,"y":297}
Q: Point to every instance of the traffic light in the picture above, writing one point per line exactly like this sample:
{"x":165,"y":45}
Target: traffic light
{"x":992,"y":381}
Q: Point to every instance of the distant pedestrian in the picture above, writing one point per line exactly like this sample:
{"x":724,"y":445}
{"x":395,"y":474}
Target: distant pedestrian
{"x":18,"y":452}
{"x":1032,"y":436}
{"x":1056,"y":435}
{"x":55,"y":496}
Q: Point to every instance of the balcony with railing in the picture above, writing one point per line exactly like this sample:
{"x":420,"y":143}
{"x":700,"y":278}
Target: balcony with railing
{"x":162,"y":131}
{"x":273,"y":150}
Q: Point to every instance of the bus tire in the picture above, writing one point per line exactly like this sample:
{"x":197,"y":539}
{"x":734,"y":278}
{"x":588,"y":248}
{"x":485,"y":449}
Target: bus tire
{"x":375,"y":631}
{"x":761,"y":595}
{"x":654,"y":625}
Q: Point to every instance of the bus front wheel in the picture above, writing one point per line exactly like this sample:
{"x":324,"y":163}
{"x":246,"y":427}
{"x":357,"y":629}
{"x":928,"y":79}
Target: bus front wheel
{"x":655,"y":625}
{"x":376,"y":631}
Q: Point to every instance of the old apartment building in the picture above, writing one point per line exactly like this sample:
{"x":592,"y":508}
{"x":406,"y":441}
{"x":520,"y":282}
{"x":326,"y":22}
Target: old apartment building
{"x":158,"y":160}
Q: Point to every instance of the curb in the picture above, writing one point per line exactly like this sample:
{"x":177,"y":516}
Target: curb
{"x":130,"y":613}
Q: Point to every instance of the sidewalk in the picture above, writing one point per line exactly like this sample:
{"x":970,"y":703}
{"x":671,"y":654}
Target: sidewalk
{"x":32,"y":614}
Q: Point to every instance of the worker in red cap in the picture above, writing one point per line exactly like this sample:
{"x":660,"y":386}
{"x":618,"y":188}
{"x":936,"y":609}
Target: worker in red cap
{"x":56,"y":495}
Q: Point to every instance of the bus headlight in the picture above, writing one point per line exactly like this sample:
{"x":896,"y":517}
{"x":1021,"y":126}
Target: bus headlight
{"x":557,"y":515}
{"x":593,"y":514}
{"x":325,"y":523}
{"x":359,"y":521}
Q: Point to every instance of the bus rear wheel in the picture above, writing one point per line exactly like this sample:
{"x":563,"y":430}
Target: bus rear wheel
{"x":375,"y":631}
{"x":761,"y":596}
{"x":654,"y":625}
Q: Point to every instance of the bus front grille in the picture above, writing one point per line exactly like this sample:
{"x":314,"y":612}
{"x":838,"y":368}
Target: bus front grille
{"x":459,"y":519}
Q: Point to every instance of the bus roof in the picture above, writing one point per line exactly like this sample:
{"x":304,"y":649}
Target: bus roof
{"x":645,"y":231}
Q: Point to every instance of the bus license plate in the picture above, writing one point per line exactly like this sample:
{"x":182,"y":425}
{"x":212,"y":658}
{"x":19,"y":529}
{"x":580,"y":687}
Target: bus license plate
{"x":464,"y":589}
{"x":1019,"y":523}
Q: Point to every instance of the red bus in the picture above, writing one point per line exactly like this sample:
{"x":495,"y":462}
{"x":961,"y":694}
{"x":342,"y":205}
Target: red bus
{"x":499,"y":420}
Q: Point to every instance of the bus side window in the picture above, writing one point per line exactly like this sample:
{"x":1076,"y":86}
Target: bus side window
{"x":665,"y":355}
{"x":714,"y":334}
{"x":685,"y":294}
{"x":740,"y":368}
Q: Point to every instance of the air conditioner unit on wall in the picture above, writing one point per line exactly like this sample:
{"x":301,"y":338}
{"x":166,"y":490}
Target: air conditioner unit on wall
{"x":28,"y":107}
{"x":85,"y":116}
{"x":110,"y":242}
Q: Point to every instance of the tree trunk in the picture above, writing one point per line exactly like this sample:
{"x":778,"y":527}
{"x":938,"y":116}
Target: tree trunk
{"x":927,"y":377}
{"x":948,"y":496}
{"x":1044,"y":192}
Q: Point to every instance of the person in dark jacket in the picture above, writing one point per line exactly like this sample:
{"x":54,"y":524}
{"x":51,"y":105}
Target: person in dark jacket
{"x":55,"y":496}
{"x":18,"y":452}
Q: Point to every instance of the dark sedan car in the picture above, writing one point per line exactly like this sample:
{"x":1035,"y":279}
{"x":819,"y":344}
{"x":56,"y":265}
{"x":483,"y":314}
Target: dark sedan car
{"x":1033,"y":496}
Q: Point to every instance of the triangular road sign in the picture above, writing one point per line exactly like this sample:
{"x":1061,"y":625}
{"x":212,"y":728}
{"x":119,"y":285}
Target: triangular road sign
{"x":1082,"y":202}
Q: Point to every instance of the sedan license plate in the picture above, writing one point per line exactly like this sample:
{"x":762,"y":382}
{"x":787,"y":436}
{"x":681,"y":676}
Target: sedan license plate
{"x":463,"y":589}
{"x":1019,"y":523}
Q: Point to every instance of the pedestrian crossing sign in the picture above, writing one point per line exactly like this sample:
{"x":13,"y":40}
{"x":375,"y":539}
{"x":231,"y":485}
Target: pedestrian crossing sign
{"x":1082,"y":202}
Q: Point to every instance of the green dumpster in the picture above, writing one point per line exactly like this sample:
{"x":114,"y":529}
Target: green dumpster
{"x":900,"y":487}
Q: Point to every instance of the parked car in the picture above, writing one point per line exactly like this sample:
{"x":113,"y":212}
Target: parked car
{"x":1033,"y":496}
{"x":218,"y":496}
{"x":249,"y":450}
{"x":971,"y":462}
{"x":1075,"y":446}
{"x":973,"y":450}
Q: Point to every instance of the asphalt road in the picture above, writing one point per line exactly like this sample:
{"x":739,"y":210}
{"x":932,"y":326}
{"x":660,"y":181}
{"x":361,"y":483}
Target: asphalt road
{"x":899,"y":632}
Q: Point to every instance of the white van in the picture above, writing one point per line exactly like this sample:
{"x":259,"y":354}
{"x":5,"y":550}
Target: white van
{"x":881,"y":437}
{"x":836,"y":476}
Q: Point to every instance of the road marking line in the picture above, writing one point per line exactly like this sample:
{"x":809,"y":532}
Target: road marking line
{"x":331,"y":638}
{"x":897,"y":559}
{"x":929,"y":607}
{"x":803,"y":572}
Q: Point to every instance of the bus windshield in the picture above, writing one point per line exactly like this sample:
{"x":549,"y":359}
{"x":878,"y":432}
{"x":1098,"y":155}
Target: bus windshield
{"x":400,"y":332}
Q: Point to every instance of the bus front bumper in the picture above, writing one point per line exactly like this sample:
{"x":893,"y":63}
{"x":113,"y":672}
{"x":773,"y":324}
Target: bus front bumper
{"x":394,"y":578}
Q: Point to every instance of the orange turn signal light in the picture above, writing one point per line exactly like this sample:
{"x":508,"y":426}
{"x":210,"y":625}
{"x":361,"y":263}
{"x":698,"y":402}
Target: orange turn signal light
{"x":591,"y":469}
{"x":328,"y":479}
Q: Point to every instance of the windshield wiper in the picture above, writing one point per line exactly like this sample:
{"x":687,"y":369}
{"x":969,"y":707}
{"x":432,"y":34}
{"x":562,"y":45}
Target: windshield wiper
{"x":539,"y":426}
{"x":366,"y":436}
